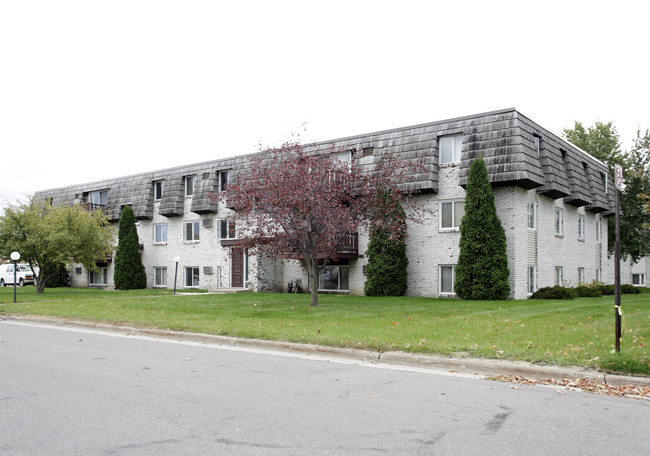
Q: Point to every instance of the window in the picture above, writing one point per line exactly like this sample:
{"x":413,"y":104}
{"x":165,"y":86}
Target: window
{"x":638,"y":279}
{"x":450,"y":148}
{"x":559,"y":276}
{"x":537,"y":142}
{"x":160,"y":233}
{"x":98,"y":199}
{"x":192,"y":277}
{"x":451,"y":214}
{"x":189,"y":185}
{"x":224,"y":178}
{"x":158,"y":187}
{"x":599,"y":230}
{"x":604,"y":178}
{"x":191,"y":231}
{"x":226,"y":229}
{"x":559,"y":221}
{"x":446,"y":281}
{"x":532,"y":215}
{"x":334,"y":278}
{"x":532,"y":279}
{"x":581,"y":227}
{"x":581,"y":275}
{"x":98,"y":277}
{"x":159,"y":277}
{"x":599,"y":275}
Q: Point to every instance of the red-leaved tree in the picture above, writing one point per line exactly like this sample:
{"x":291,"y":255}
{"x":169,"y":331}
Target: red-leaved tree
{"x":306,"y":202}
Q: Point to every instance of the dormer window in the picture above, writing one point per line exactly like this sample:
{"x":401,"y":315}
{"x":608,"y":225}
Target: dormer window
{"x":450,"y":148}
{"x":158,"y":187}
{"x":224,"y":178}
{"x":537,"y":144}
{"x":98,"y":199}
{"x":189,"y":185}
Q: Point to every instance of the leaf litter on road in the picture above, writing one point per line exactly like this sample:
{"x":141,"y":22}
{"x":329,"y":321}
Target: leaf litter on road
{"x":582,"y":384}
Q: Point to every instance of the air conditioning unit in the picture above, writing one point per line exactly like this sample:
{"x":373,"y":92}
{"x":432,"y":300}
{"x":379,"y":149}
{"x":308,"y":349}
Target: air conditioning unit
{"x":207,"y":223}
{"x":207,"y":269}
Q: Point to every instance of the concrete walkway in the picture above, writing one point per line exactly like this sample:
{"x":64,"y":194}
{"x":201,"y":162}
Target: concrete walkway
{"x":479,"y":367}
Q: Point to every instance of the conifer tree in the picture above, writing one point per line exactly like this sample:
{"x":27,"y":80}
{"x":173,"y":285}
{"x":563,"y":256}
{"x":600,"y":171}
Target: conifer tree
{"x":386,"y":273}
{"x":482,"y":269}
{"x":130,"y":273}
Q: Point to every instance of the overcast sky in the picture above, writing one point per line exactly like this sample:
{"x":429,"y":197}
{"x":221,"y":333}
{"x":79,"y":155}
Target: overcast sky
{"x":92,"y":90}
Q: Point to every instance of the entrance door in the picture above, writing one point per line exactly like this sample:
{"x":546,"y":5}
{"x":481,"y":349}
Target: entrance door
{"x":237,"y":269}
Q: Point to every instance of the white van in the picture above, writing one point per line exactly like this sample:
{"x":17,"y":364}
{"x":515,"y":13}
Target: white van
{"x":24,"y":275}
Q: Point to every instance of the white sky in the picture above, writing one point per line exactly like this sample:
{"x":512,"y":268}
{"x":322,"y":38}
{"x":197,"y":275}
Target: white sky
{"x":92,"y":90}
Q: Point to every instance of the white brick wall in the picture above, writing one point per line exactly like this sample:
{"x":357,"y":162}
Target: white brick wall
{"x":428,"y":246}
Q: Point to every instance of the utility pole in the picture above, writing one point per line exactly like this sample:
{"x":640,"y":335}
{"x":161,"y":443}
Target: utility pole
{"x":618,"y":177}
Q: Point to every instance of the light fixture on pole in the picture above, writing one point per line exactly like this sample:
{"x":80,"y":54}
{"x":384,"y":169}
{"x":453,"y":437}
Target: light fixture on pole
{"x":15,"y":256}
{"x":177,"y":259}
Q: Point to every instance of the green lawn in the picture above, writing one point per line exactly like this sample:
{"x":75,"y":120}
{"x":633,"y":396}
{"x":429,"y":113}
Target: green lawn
{"x":573,"y":332}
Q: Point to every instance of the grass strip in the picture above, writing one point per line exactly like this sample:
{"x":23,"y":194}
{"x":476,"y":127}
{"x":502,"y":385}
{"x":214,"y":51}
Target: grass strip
{"x":577,"y":332}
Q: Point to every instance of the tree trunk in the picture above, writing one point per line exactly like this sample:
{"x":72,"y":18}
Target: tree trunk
{"x":314,"y":285}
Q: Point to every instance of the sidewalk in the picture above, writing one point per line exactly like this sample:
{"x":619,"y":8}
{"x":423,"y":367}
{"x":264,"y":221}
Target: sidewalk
{"x":479,"y":367}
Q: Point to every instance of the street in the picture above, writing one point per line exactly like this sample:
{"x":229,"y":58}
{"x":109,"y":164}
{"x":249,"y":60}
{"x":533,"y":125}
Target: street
{"x":76,"y":392}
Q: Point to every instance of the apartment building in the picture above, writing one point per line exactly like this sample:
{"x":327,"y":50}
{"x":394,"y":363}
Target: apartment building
{"x":552,"y":199}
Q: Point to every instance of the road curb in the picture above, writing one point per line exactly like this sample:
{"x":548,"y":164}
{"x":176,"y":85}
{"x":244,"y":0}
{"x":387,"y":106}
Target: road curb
{"x":475,"y":366}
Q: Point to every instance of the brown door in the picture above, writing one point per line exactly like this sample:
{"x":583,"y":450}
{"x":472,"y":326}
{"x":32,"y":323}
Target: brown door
{"x":237,"y":269}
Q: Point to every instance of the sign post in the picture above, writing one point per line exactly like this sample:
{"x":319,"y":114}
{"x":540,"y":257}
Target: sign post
{"x":618,"y":178}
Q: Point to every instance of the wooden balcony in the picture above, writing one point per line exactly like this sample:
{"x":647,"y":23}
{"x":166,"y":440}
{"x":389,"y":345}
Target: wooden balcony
{"x":348,"y":248}
{"x":92,"y":206}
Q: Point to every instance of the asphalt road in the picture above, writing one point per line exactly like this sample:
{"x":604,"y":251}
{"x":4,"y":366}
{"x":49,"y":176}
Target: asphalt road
{"x":73,"y":392}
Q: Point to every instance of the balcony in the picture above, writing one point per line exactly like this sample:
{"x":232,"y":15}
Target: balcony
{"x":93,"y":206}
{"x":347,"y":248}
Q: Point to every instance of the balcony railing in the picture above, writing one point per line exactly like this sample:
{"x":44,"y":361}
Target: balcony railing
{"x":347,"y":248}
{"x":94,"y":206}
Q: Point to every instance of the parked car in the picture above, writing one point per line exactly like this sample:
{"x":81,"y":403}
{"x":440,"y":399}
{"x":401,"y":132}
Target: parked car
{"x":24,"y":275}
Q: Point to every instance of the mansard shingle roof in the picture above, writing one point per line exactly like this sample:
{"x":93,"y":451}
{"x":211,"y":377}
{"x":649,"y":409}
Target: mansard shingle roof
{"x":505,"y":138}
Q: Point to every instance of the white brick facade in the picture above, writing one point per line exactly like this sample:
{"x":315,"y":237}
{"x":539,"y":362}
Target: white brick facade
{"x":549,"y":196}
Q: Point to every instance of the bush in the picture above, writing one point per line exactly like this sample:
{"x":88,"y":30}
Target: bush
{"x":554,"y":293}
{"x":629,"y":289}
{"x":386,"y":272}
{"x":588,"y":292}
{"x":482,"y":268}
{"x":607,"y":290}
{"x":129,"y":273}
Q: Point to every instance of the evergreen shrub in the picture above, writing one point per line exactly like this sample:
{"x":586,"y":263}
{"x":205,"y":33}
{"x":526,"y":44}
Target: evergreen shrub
{"x":130,"y":273}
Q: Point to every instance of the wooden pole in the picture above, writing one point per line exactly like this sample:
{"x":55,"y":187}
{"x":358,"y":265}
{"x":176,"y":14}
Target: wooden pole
{"x":617,"y":277}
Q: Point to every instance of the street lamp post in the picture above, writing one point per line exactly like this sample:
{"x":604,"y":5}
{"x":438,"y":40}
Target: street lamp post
{"x":177,"y":259}
{"x":15,"y":256}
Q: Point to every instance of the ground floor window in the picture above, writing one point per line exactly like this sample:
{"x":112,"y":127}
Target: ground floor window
{"x":334,"y":278}
{"x":159,"y":277}
{"x":599,"y":275}
{"x":581,"y":275}
{"x":191,"y":277}
{"x":447,"y":277}
{"x":638,"y":279}
{"x":98,"y":277}
{"x":532,"y":279}
{"x":559,"y":276}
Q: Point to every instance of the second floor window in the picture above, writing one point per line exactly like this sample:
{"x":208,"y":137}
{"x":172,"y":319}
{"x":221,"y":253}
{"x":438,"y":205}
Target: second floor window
{"x":191,"y":231}
{"x":559,"y":221}
{"x":532,"y":215}
{"x":160,"y":233}
{"x":581,"y":227}
{"x":451,"y":214}
{"x":226,"y":229}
